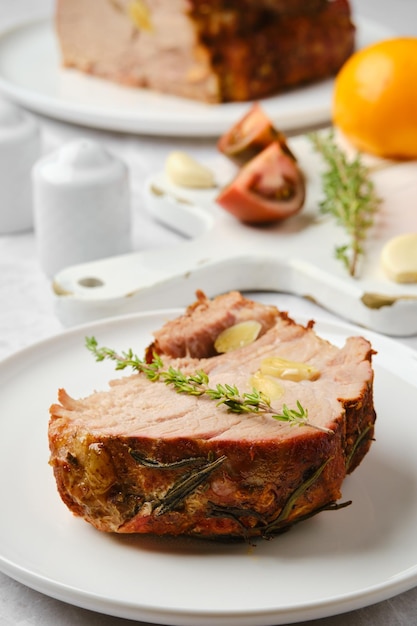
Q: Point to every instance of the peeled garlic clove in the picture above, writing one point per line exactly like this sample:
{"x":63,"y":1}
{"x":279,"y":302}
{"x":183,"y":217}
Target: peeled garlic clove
{"x":237,"y":336}
{"x":399,"y":258}
{"x":267,"y":386}
{"x":288,"y":370}
{"x":140,"y":15}
{"x":184,"y":171}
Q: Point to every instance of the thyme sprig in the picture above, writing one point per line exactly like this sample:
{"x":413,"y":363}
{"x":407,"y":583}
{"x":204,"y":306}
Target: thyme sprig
{"x":349,"y":196}
{"x":197,"y":384}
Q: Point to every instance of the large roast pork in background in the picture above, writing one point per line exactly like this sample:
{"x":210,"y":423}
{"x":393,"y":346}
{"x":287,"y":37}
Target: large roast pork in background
{"x":209,"y":50}
{"x":141,"y":458}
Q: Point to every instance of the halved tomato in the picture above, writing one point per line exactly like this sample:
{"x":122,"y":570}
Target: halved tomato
{"x":250,"y":135}
{"x":270,"y":187}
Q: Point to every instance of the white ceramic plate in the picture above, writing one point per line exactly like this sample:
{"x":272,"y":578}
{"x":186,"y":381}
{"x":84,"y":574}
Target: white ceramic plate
{"x":335,"y":562}
{"x":30,"y":74}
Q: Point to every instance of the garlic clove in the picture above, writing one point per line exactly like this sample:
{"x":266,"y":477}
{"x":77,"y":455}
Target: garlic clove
{"x":399,"y":258}
{"x":267,"y":385}
{"x":237,"y":336}
{"x":185,"y":171}
{"x":288,"y":370}
{"x":139,"y":14}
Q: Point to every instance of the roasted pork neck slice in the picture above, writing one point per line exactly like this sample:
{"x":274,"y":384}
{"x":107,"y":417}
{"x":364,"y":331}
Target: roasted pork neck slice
{"x":140,"y":457}
{"x":211,"y":51}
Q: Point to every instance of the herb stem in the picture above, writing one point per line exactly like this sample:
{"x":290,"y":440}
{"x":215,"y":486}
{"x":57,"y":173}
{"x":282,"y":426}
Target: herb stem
{"x":349,"y":196}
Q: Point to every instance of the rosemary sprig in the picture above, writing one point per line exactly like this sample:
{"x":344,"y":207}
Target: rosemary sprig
{"x":349,"y":196}
{"x":186,"y":485}
{"x":197,"y":384}
{"x":360,"y":439}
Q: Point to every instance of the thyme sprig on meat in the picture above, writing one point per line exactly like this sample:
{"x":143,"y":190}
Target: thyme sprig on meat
{"x":197,"y":384}
{"x":349,"y":196}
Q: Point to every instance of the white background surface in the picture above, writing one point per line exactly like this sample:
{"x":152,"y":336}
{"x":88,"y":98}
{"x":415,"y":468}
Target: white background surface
{"x":27,"y":313}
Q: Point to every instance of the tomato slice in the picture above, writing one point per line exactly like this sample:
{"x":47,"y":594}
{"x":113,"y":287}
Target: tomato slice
{"x":250,"y":135}
{"x":269,"y":188}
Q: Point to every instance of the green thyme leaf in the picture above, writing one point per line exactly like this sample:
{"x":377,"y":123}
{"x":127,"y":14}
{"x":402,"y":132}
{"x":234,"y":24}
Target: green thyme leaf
{"x":349,"y":196}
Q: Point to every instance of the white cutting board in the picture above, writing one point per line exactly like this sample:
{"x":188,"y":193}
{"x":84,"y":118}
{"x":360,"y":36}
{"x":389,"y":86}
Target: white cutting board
{"x":220,"y":254}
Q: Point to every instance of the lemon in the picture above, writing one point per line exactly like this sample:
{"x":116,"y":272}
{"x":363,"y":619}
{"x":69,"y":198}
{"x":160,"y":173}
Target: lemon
{"x":375,"y":99}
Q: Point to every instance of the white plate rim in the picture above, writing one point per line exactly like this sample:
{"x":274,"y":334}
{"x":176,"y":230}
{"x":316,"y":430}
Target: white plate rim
{"x":403,"y":357}
{"x":168,"y":116}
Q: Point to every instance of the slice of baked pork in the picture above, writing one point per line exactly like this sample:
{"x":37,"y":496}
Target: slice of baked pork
{"x":141,"y":458}
{"x":211,"y":51}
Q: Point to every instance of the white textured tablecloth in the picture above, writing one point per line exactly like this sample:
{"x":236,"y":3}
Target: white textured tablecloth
{"x":27,"y":312}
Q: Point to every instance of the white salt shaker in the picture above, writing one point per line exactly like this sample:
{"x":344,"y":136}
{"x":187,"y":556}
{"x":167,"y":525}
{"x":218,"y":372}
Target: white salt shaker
{"x":20,"y":146}
{"x":81,"y":205}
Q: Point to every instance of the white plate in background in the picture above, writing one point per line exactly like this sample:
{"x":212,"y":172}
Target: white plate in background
{"x":31,"y":75}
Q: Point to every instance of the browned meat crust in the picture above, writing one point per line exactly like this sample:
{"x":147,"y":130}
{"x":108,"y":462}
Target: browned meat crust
{"x":140,"y":458}
{"x":280,"y":7}
{"x":301,"y":51}
{"x":210,"y":51}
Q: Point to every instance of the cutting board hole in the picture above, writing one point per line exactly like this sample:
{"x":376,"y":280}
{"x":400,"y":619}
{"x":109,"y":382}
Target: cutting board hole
{"x":90,"y":282}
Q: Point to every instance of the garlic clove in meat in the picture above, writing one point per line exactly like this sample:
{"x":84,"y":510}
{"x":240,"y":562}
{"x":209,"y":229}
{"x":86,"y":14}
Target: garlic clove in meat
{"x":267,"y":385}
{"x":139,"y":14}
{"x":237,"y":336}
{"x":288,"y":370}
